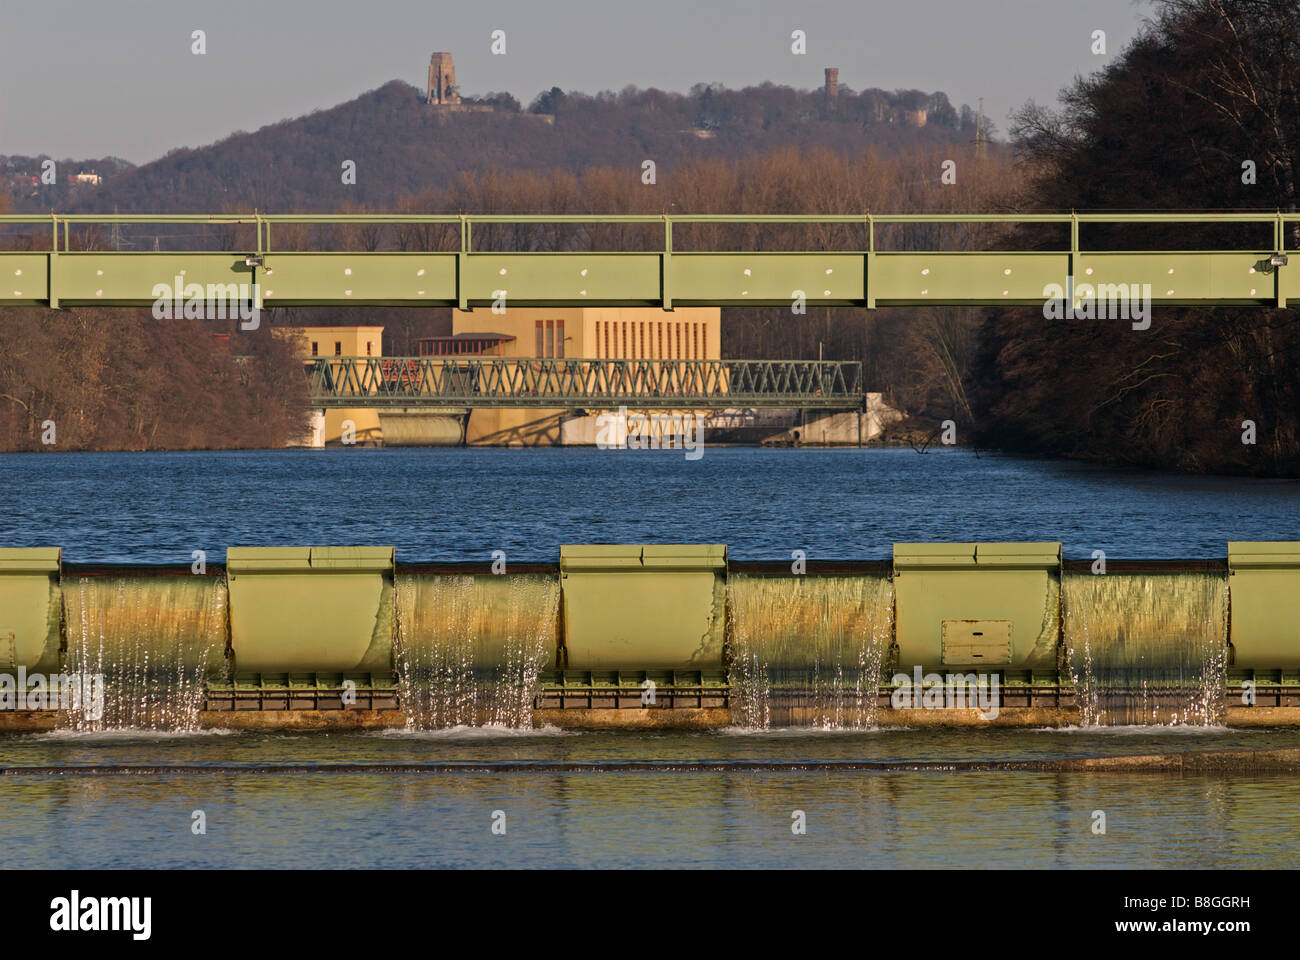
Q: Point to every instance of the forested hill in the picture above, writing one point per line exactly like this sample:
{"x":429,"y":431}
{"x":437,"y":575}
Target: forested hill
{"x":401,"y":147}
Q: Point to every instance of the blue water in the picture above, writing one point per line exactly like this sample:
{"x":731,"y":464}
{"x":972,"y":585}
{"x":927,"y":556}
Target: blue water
{"x":461,"y":504}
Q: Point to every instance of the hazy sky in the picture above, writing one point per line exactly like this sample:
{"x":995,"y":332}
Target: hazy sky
{"x":88,"y":78}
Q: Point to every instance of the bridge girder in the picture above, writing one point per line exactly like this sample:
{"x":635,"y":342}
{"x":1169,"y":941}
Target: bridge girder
{"x":469,"y":278}
{"x":580,"y":384}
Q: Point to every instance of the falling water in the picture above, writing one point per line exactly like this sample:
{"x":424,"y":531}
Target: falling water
{"x":154,"y":640}
{"x":471,"y":648}
{"x":808,"y":651}
{"x":1147,"y":648}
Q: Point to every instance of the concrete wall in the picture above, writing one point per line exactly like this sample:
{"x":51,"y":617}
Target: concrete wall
{"x":515,"y":428}
{"x":837,"y":428}
{"x":315,"y":434}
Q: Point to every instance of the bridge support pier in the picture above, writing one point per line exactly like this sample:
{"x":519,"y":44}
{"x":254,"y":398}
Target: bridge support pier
{"x":314,"y":436}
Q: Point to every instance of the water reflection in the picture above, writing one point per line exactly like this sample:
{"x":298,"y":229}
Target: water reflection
{"x":655,"y":820}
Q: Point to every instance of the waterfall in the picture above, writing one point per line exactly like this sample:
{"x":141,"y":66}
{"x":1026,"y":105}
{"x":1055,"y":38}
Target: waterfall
{"x":154,"y":640}
{"x":808,"y":651}
{"x":1147,"y":648}
{"x":470,"y":649}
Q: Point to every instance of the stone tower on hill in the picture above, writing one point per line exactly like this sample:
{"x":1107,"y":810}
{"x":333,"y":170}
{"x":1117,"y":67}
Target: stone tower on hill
{"x":442,"y":80}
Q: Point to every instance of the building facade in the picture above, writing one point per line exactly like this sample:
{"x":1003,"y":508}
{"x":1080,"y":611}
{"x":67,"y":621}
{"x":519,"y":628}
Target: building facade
{"x":595,"y":333}
{"x":361,"y":424}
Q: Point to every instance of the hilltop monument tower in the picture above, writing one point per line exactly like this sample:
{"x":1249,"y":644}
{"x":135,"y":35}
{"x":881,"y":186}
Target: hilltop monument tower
{"x":442,"y":80}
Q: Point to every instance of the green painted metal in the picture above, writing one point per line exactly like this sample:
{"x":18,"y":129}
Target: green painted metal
{"x":303,"y":691}
{"x":311,"y":609}
{"x":643,"y":607}
{"x":30,"y":608}
{"x":658,"y":275}
{"x":978,"y":605}
{"x":578,"y":384}
{"x":1264,"y":596}
{"x":303,"y":619}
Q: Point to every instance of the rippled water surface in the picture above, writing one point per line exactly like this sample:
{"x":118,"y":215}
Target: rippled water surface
{"x":461,"y":504}
{"x":626,"y":819}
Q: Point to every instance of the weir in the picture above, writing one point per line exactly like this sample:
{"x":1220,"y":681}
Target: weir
{"x":156,"y":641}
{"x":655,"y":635}
{"x":1148,"y":647}
{"x":471,"y":648}
{"x":809,"y":650}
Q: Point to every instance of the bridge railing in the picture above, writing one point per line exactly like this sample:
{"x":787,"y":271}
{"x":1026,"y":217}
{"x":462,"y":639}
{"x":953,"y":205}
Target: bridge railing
{"x":579,"y":383}
{"x":456,"y":232}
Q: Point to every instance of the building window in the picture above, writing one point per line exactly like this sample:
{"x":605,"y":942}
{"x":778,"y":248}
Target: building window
{"x":559,"y":339}
{"x":660,"y":352}
{"x":550,"y":339}
{"x":369,"y":344}
{"x":315,"y":349}
{"x":338,"y":348}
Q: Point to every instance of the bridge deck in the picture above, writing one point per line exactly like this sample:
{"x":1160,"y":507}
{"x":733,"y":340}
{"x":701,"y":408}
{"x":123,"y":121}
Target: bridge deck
{"x":439,"y":260}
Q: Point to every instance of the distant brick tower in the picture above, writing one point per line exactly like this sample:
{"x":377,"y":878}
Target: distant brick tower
{"x":442,"y":80}
{"x":832,"y":84}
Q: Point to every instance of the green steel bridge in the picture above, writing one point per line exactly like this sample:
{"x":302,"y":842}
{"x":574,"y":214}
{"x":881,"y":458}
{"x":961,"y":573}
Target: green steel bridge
{"x":634,"y":260}
{"x":580,"y":384}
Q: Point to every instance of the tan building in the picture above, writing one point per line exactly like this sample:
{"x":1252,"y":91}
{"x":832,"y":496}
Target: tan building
{"x":588,"y":333}
{"x":596,"y":333}
{"x":579,"y":333}
{"x":361,"y":423}
{"x":603,"y":333}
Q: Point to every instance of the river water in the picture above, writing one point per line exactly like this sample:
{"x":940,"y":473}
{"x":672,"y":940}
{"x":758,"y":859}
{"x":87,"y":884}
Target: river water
{"x":663,"y":818}
{"x":462,"y":505}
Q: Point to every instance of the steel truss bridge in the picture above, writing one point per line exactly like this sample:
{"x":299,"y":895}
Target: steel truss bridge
{"x":447,"y":260}
{"x":582,"y":384}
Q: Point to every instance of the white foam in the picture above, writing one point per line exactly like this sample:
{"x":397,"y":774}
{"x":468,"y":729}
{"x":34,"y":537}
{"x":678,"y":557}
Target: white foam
{"x":1140,"y":729}
{"x":795,"y":732}
{"x":490,"y":731}
{"x":126,"y":733}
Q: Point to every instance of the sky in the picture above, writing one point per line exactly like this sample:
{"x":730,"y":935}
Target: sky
{"x":92,"y":78}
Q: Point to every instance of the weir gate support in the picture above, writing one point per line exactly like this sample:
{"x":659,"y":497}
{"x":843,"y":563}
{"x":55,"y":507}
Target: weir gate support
{"x":311,"y":619}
